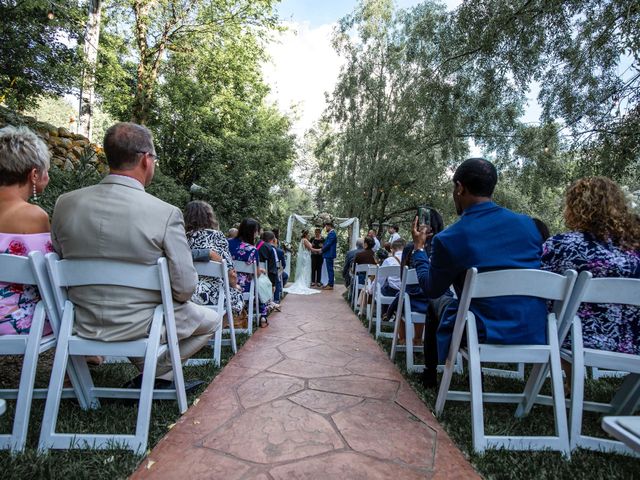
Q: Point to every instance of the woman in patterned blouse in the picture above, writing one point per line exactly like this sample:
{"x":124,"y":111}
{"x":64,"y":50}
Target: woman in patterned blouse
{"x":604,"y":240}
{"x":202,"y":226}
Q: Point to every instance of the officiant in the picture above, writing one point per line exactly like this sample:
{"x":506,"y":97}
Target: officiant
{"x":316,"y":259}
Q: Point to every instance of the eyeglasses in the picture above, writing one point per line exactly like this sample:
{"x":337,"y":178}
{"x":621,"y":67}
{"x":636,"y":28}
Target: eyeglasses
{"x":155,"y":157}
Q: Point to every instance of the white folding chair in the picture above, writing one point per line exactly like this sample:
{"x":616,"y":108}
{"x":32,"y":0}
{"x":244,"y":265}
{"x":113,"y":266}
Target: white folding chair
{"x":217,"y":270}
{"x":411,"y":318}
{"x":251,"y":297}
{"x":382,"y":274}
{"x":369,"y":286}
{"x":627,"y":400}
{"x":74,"y":273}
{"x":357,"y":285}
{"x":532,"y":283}
{"x":29,"y":271}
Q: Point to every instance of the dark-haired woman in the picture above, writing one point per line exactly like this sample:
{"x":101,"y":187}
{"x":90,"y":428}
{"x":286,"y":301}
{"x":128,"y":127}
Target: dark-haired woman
{"x":202,"y":226}
{"x":242,"y":249}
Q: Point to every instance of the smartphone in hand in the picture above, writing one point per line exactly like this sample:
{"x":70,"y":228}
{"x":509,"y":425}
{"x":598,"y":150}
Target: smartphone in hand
{"x":424,"y":216}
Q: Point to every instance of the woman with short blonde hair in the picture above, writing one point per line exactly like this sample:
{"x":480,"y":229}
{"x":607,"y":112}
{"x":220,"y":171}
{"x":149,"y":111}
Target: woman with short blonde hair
{"x":24,"y":226}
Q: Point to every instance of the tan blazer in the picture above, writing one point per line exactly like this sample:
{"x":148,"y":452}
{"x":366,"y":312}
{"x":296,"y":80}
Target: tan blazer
{"x":116,"y":219}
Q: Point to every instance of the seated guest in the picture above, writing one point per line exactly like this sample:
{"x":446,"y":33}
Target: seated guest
{"x":348,"y":262}
{"x":232,"y":233}
{"x":24,"y":227}
{"x":376,"y":242}
{"x":488,"y":237}
{"x":242,"y":249}
{"x":89,"y":223}
{"x":365,"y":257}
{"x":268,"y":255}
{"x":393,"y":233}
{"x":283,"y":262}
{"x":392,"y":284}
{"x":604,"y":239}
{"x":201,"y":226}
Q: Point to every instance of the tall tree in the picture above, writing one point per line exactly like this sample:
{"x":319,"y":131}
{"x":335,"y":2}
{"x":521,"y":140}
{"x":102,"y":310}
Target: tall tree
{"x":90,"y":49}
{"x":37,"y":56}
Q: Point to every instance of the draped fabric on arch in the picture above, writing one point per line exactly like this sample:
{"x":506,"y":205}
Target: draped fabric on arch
{"x":340,"y":223}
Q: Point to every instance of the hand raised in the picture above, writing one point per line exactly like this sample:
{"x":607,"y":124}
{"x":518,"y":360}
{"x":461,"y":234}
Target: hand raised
{"x":421,"y":234}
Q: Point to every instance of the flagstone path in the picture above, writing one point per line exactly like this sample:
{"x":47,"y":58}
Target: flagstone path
{"x":310,"y":397}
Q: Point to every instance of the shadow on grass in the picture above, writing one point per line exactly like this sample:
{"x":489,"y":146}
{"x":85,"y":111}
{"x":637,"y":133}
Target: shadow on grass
{"x":499,"y":420}
{"x":110,"y":418}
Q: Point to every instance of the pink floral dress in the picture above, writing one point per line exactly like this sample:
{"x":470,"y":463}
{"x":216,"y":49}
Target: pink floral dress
{"x":18,"y":302}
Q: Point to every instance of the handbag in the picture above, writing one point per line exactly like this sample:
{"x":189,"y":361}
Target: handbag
{"x":265,"y":289}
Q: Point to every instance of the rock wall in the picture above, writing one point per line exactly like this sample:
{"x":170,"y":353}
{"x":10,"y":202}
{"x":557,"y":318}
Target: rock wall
{"x":68,"y":150}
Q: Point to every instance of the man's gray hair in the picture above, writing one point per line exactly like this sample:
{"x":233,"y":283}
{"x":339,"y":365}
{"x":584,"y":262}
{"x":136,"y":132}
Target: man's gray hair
{"x":360,"y":243}
{"x":21,"y":150}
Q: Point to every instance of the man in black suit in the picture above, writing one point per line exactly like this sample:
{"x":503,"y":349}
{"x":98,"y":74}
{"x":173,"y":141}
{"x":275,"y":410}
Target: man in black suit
{"x":267,"y":252}
{"x":348,"y":261}
{"x":316,"y":259}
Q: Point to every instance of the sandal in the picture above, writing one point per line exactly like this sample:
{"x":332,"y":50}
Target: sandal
{"x":266,"y":322}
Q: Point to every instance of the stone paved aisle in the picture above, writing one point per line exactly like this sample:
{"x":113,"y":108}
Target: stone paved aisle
{"x":310,"y":397}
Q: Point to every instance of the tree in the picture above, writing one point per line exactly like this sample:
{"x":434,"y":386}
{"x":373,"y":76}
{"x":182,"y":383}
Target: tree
{"x":154,"y":29}
{"x":90,"y":50}
{"x":37,"y":56}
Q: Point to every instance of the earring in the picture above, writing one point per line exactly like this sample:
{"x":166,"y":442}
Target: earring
{"x":35,"y":194}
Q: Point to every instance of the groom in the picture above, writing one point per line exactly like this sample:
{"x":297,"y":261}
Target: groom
{"x":329,"y":253}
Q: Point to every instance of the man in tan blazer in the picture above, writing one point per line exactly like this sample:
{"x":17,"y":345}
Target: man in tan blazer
{"x":116,"y":219}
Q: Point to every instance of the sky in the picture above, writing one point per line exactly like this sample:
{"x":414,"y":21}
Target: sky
{"x":303,"y":64}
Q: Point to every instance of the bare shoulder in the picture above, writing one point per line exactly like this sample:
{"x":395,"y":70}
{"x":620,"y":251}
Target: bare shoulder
{"x":30,"y":219}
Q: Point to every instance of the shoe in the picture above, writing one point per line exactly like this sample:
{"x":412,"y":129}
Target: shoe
{"x":327,"y":287}
{"x":430,"y":378}
{"x":266,"y":322}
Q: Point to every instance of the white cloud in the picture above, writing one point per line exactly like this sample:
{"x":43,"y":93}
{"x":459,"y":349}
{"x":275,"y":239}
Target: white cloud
{"x":303,"y":67}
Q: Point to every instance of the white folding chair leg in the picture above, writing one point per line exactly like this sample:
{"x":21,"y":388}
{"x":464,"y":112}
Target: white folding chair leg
{"x":52,"y":405}
{"x":217,"y":346}
{"x":18,"y":437}
{"x":577,"y":385}
{"x":559,"y":406}
{"x":475,"y":388}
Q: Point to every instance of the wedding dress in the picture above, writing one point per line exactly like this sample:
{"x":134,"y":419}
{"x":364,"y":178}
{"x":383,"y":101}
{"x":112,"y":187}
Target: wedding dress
{"x":303,"y":273}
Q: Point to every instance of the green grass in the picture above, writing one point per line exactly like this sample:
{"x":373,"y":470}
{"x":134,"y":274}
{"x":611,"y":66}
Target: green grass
{"x":113,"y":418}
{"x":500,"y":420}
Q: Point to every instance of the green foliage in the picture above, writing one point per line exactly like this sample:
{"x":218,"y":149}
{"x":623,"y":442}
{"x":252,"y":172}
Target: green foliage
{"x":37,"y":56}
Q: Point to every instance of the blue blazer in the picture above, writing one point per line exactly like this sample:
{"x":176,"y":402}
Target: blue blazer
{"x":329,"y":245}
{"x":488,"y":237}
{"x":282,"y":257}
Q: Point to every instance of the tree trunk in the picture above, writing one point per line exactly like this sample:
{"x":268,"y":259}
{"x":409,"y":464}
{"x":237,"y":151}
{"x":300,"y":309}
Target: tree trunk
{"x":91,"y":40}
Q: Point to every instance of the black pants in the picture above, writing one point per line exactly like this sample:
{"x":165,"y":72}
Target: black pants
{"x":316,"y":268}
{"x":434,"y":313}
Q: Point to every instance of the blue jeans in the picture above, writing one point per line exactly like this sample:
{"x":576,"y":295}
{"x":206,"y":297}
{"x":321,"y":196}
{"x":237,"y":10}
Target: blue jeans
{"x":329,"y":263}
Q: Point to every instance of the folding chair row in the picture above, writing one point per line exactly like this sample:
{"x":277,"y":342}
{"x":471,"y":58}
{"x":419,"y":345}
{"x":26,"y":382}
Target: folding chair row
{"x":382,"y":274}
{"x":358,"y":285}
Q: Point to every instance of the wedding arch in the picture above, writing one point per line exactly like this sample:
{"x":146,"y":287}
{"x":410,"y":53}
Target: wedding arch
{"x":338,"y":223}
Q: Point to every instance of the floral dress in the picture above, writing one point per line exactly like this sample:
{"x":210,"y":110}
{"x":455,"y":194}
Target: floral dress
{"x":208,"y":288}
{"x":614,"y":328}
{"x":247,"y":253}
{"x":18,"y":302}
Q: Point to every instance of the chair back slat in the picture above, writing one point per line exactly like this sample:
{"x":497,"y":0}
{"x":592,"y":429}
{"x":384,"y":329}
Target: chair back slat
{"x":388,"y":271}
{"x":211,"y":269}
{"x":83,"y":272}
{"x":362,"y":268}
{"x":372,"y":270}
{"x":624,"y":291}
{"x":243,"y":267}
{"x":532,"y":283}
{"x":411,"y":276}
{"x":16,"y":269}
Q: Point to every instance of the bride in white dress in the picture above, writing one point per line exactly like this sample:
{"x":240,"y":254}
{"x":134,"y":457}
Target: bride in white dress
{"x":303,"y":268}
